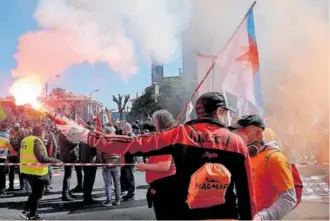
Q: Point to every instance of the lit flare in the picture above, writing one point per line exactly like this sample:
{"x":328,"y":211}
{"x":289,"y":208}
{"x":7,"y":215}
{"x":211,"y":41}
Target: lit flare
{"x":26,"y":90}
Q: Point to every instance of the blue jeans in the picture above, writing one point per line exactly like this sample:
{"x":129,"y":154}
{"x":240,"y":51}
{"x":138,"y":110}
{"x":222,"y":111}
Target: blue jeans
{"x":110,"y":173}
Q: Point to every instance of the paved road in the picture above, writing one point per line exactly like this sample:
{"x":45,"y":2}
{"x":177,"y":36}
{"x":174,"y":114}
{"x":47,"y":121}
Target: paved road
{"x":52,"y":208}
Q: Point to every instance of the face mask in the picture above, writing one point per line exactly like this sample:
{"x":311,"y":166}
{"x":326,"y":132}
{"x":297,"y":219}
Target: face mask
{"x":254,"y":147}
{"x":224,"y":119}
{"x":246,"y":138}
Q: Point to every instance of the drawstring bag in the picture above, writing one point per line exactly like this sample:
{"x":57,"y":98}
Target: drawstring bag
{"x":208,"y":186}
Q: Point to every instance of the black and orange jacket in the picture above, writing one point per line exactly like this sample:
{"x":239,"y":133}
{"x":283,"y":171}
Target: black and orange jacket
{"x":191,"y":146}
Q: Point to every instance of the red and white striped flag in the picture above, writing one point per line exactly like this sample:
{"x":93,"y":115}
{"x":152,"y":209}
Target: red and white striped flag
{"x":81,"y":122}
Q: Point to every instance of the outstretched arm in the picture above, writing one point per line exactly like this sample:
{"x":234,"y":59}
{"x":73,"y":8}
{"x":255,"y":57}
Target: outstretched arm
{"x":153,"y":143}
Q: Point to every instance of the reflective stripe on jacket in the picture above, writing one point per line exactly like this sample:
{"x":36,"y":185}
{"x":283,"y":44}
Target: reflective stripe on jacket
{"x":27,"y":156}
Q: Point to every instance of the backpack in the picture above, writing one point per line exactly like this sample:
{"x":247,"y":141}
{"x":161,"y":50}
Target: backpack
{"x":298,"y":184}
{"x":208,"y":185}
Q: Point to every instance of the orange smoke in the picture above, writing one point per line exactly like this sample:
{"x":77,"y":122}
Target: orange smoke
{"x":26,"y":90}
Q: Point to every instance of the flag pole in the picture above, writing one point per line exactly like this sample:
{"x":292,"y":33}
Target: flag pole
{"x":214,"y":62}
{"x":227,"y":104}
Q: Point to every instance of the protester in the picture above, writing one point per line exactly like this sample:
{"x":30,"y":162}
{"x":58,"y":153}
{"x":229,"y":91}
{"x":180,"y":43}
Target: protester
{"x":147,"y":127}
{"x":160,"y":171}
{"x":204,"y":145}
{"x":68,"y":154}
{"x":33,"y":151}
{"x":49,"y":146}
{"x":110,"y":172}
{"x":4,"y":146}
{"x":16,"y":137}
{"x":127,"y":171}
{"x":272,"y":172}
{"x":87,"y":154}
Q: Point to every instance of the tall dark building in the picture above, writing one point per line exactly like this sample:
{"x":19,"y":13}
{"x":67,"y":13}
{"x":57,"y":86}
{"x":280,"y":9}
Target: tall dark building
{"x":157,"y":73}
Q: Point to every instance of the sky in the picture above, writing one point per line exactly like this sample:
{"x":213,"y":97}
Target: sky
{"x":16,"y":18}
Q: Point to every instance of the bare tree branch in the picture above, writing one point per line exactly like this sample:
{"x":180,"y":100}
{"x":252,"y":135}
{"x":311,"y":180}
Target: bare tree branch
{"x":114,"y":99}
{"x":127,"y":96}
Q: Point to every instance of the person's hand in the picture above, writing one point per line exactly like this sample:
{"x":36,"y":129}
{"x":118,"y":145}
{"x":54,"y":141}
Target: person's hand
{"x":140,"y":166}
{"x":257,"y":217}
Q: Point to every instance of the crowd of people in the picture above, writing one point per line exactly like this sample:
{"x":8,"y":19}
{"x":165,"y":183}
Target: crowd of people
{"x":201,"y":169}
{"x":13,"y":137}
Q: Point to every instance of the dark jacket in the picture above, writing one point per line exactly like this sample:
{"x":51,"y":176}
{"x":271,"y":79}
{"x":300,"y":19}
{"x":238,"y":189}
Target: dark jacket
{"x":87,"y":153}
{"x":108,"y":158}
{"x":192,"y":145}
{"x":55,"y":144}
{"x":68,"y":150}
{"x":16,"y":138}
{"x":41,"y":155}
{"x":129,"y":158}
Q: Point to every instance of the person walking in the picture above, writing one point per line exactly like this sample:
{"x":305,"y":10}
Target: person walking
{"x":87,"y":154}
{"x":16,"y":136}
{"x":128,"y":170}
{"x":68,"y":154}
{"x":110,"y":173}
{"x":33,"y":151}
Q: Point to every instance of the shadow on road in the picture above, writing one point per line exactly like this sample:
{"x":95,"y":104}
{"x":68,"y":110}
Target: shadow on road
{"x":57,"y":205}
{"x":21,"y":193}
{"x":142,"y":187}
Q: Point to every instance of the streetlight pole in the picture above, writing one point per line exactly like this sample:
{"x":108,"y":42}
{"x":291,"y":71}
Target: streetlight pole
{"x":90,"y":100}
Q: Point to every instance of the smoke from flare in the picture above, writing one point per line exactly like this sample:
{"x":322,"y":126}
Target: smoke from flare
{"x":78,"y":31}
{"x":100,"y":31}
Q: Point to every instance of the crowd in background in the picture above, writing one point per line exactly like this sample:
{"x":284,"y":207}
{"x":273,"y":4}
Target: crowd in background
{"x":60,"y":148}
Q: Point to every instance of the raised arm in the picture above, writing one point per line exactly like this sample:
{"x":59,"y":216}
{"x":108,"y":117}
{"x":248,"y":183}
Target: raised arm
{"x":153,"y":143}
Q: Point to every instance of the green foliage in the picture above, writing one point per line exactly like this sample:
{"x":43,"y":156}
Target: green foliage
{"x":144,"y":106}
{"x":2,"y":113}
{"x":174,"y":93}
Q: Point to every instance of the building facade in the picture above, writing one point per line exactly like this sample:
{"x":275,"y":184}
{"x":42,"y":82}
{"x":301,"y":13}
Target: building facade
{"x":72,"y":106}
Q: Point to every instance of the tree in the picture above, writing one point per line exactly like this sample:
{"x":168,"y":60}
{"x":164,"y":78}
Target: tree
{"x":121,"y":103}
{"x":144,"y":105}
{"x":58,"y":94}
{"x":58,"y":99}
{"x":2,"y":113}
{"x":174,"y":92}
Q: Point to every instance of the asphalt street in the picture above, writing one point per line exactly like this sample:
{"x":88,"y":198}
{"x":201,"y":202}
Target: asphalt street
{"x":52,"y":208}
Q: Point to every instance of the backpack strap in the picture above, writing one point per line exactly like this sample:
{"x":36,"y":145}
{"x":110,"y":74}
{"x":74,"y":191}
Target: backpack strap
{"x":268,"y":157}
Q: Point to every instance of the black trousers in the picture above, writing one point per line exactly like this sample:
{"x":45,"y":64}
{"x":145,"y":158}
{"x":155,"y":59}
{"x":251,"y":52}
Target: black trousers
{"x":162,"y":196}
{"x":67,"y":178}
{"x":11,"y":173}
{"x":2,"y":177}
{"x":79,"y":174}
{"x":127,"y":180}
{"x":89,"y":179}
{"x":38,"y":184}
